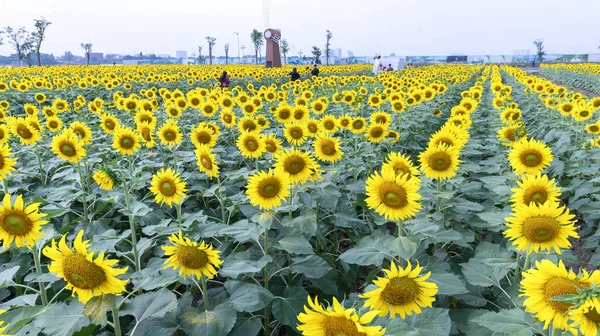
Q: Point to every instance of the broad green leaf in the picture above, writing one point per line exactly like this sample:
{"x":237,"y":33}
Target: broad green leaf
{"x":310,"y":266}
{"x":306,"y":223}
{"x":156,"y":327}
{"x":7,"y":275}
{"x":293,"y":242}
{"x":17,"y":318}
{"x":397,"y":326}
{"x":511,"y":322}
{"x":62,"y":319}
{"x":479,"y":274}
{"x":150,"y":305}
{"x":246,"y":326}
{"x":247,"y":297}
{"x":287,"y":307}
{"x":432,"y":322}
{"x":369,"y":251}
{"x":236,"y":264}
{"x":208,"y":323}
{"x":448,"y":284}
{"x":97,"y":307}
{"x":401,"y":246}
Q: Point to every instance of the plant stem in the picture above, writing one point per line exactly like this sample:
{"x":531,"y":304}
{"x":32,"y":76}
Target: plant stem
{"x":400,"y":228}
{"x":85,"y":204}
{"x":116,"y":322}
{"x":179,"y":213}
{"x":133,"y":229}
{"x":266,"y":270}
{"x":439,"y":198}
{"x":42,"y":175}
{"x":38,"y":269}
{"x":205,"y":290}
{"x":5,"y":186}
{"x":221,"y":201}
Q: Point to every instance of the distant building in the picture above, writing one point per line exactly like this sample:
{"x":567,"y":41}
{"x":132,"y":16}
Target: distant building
{"x":113,"y":57}
{"x":96,"y":57}
{"x":350,"y":53}
{"x":165,"y":55}
{"x":337,"y":53}
{"x":181,"y":54}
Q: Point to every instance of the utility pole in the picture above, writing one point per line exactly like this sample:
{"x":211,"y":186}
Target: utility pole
{"x":238,"y":39}
{"x":243,"y":52}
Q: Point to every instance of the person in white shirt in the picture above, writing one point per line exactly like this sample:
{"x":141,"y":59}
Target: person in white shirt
{"x":376,"y":65}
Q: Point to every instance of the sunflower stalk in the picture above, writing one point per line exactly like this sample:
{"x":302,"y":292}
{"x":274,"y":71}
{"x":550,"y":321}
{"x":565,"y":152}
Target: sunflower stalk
{"x":84,"y":192}
{"x":205,"y":293}
{"x":5,"y":186}
{"x":266,"y":281}
{"x":178,"y":207}
{"x":116,"y":322}
{"x":132,"y":228}
{"x":221,"y":201}
{"x":41,"y":167}
{"x":38,"y":269}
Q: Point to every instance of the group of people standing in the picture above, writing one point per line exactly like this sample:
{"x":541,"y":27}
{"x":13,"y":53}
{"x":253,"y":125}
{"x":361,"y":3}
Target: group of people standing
{"x":378,"y":66}
{"x":295,"y":75}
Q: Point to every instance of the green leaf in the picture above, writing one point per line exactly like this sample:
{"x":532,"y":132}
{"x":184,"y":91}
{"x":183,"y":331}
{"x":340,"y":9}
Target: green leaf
{"x":311,"y":266}
{"x":511,"y":322}
{"x":246,"y":297}
{"x":287,"y":307}
{"x":138,"y":209}
{"x":17,"y":318}
{"x":397,"y":326}
{"x":239,"y":263}
{"x":369,"y":251}
{"x":306,"y":223}
{"x":211,"y":323}
{"x":150,"y":305}
{"x":432,"y":322}
{"x":479,"y":274}
{"x":401,"y":246}
{"x":7,"y":275}
{"x":62,"y":319}
{"x":449,"y":284}
{"x":293,"y":242}
{"x":246,"y":326}
{"x":156,"y":327}
{"x":97,"y":307}
{"x":343,"y":220}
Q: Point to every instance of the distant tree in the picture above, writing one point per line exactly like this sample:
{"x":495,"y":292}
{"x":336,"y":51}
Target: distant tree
{"x":17,"y":38}
{"x":257,"y":41}
{"x":211,"y":43}
{"x":285,"y":48}
{"x":200,"y":59}
{"x":68,"y":57}
{"x":226,"y":53}
{"x":328,"y":35}
{"x":539,"y":45}
{"x":39,"y":34}
{"x":87,"y":49}
{"x":316,"y":54}
{"x":28,"y":49}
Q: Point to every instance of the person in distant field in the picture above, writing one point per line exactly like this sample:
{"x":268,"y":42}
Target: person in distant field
{"x":294,"y":75}
{"x":533,"y":63}
{"x":224,"y":80}
{"x":315,"y":71}
{"x":389,"y":68}
{"x":376,"y":65}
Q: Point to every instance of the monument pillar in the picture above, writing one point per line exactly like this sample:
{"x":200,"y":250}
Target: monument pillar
{"x":272,"y":54}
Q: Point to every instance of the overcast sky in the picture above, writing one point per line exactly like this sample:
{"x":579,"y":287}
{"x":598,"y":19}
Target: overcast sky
{"x":404,"y":27}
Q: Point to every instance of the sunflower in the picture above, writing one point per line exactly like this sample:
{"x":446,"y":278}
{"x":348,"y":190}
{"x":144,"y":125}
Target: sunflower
{"x":249,"y":108}
{"x":534,"y":227}
{"x":587,"y":317}
{"x":85,"y":276}
{"x":376,"y":133}
{"x":394,"y":197}
{"x":582,"y":114}
{"x":267,"y":189}
{"x":295,"y":133}
{"x":67,"y":146}
{"x":206,"y":161}
{"x":297,"y":165}
{"x":283,"y":113}
{"x":7,"y":164}
{"x":4,"y":134}
{"x":536,"y":189}
{"x":126,"y":141}
{"x":397,"y":106}
{"x":547,"y":280}
{"x":336,"y":321}
{"x":329,"y":124}
{"x":54,"y":124}
{"x":327,"y":148}
{"x":169,"y":133}
{"x":248,"y":124}
{"x":381,"y":117}
{"x":313,"y":127}
{"x":262,"y":122}
{"x":26,"y":133}
{"x":104,"y":179}
{"x":109,"y":123}
{"x":191,"y":258}
{"x":20,"y":223}
{"x":446,"y":137}
{"x":299,"y":113}
{"x":272,"y":143}
{"x":358,"y":125}
{"x":60,"y":105}
{"x":318,"y":107}
{"x":146,"y":134}
{"x":344,"y":121}
{"x":146,"y":117}
{"x":173,"y":111}
{"x":227,"y":118}
{"x":439,"y":162}
{"x":203,"y":135}
{"x":401,"y":165}
{"x":593,"y":128}
{"x":30,"y":109}
{"x":251,"y":144}
{"x":566,"y":108}
{"x":530,"y":156}
{"x":507,"y":135}
{"x":167,"y":187}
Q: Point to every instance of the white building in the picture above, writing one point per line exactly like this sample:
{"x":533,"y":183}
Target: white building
{"x":164,"y":55}
{"x":350,"y":53}
{"x":181,"y":54}
{"x":337,"y":53}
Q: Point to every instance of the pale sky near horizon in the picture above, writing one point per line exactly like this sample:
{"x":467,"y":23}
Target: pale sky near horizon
{"x":404,"y":27}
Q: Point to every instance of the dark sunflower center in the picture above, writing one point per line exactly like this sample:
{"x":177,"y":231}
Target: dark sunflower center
{"x":440,"y":161}
{"x":16,"y":222}
{"x":131,"y":106}
{"x":127,"y":142}
{"x":398,"y":106}
{"x":531,"y":159}
{"x":593,"y":315}
{"x":284,"y":114}
{"x":298,"y":115}
{"x":269,"y":188}
{"x":376,"y":132}
{"x":400,"y":291}
{"x":536,"y":195}
{"x":313,"y":128}
{"x":584,"y":113}
{"x":146,"y":135}
{"x":358,"y":124}
{"x":393,"y":195}
{"x":249,"y":109}
{"x":329,"y":125}
{"x":294,"y":165}
{"x":170,"y":135}
{"x":206,"y":162}
{"x":82,"y":273}
{"x":345,"y":122}
{"x":53,"y":124}
{"x":24,"y":132}
{"x":251,"y":145}
{"x":559,"y":286}
{"x":174,"y":112}
{"x":594,"y":128}
{"x":68,"y":149}
{"x":167,"y":188}
{"x":567,"y":108}
{"x":445,"y":141}
{"x":203,"y":138}
{"x":249,"y":125}
{"x":191,"y":257}
{"x":381,"y":120}
{"x":540,"y":229}
{"x":227,"y":118}
{"x":328,"y":147}
{"x":296,"y":133}
{"x":270,"y":146}
{"x":400,"y":169}
{"x":340,"y":326}
{"x":109,"y":124}
{"x":510,"y":134}
{"x":318,"y":107}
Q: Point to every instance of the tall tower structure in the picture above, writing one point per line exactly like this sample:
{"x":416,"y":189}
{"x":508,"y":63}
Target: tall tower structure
{"x":273,"y":54}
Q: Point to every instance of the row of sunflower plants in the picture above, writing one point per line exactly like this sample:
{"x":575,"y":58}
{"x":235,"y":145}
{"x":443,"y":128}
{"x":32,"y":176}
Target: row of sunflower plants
{"x":584,"y":76}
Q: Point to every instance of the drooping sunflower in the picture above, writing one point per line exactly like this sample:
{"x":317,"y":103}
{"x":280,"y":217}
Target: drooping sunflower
{"x":547,"y":280}
{"x":335,"y":320}
{"x":268,"y":189}
{"x":167,"y":187}
{"x":295,"y":133}
{"x":82,"y":130}
{"x":191,"y":258}
{"x":586,"y":317}
{"x":439,"y":162}
{"x":327,"y":148}
{"x":126,"y":141}
{"x":401,"y":164}
{"x":535,"y":188}
{"x":85,"y":276}
{"x":146,"y":134}
{"x":401,"y":292}
{"x":298,"y":166}
{"x":26,"y":133}
{"x":7,"y":163}
{"x":146,"y":117}
{"x":530,"y":156}
{"x":376,"y":133}
{"x":67,"y":146}
{"x":104,"y":179}
{"x":394,"y":197}
{"x":206,"y":161}
{"x":251,"y":144}
{"x":109,"y":123}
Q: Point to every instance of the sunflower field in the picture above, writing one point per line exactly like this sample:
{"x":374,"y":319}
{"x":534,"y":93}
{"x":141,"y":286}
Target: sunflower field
{"x":439,"y":200}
